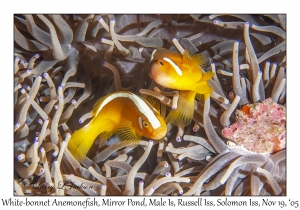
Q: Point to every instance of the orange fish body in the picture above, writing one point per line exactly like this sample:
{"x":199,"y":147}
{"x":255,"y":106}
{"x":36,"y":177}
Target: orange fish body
{"x":184,"y":73}
{"x":180,"y":72}
{"x":124,"y":113}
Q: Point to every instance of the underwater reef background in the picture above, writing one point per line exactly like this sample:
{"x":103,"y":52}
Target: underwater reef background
{"x":65,"y":63}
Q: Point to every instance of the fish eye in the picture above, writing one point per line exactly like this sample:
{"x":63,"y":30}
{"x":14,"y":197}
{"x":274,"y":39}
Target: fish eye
{"x":145,"y":124}
{"x":160,"y":63}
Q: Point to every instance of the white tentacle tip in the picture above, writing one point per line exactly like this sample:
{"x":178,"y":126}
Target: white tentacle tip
{"x":36,"y":139}
{"x":40,"y":121}
{"x":196,"y":128}
{"x":70,"y":177}
{"x":21,"y":156}
{"x":223,"y":180}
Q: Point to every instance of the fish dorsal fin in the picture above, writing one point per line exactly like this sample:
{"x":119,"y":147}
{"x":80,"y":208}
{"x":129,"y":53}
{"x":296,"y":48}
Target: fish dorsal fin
{"x":98,"y":104}
{"x":199,"y":59}
{"x":154,"y":102}
{"x":141,"y":105}
{"x":126,"y":132}
{"x":207,"y":76}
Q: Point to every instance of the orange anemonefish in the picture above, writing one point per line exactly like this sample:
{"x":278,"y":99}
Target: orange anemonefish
{"x":184,"y":73}
{"x":124,"y":113}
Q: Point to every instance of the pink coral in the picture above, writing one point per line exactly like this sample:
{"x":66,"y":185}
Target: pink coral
{"x":260,"y":127}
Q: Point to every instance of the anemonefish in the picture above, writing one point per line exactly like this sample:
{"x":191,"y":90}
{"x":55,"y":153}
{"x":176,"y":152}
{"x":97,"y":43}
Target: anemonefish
{"x":123,"y":113}
{"x":184,"y":73}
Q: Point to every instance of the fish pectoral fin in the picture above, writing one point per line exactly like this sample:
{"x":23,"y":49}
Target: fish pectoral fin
{"x":207,"y":76}
{"x":127,"y":133}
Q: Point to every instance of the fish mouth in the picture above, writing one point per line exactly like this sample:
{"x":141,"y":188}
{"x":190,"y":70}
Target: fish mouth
{"x":159,"y":77}
{"x":154,"y":73}
{"x":160,"y":133}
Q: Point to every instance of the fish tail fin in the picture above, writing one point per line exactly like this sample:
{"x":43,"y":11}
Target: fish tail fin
{"x":203,"y":87}
{"x":81,"y":141}
{"x":183,"y":115}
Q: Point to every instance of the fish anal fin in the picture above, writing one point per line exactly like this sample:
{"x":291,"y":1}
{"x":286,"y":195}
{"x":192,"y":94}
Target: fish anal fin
{"x":206,"y":96}
{"x":183,"y":115}
{"x":202,"y":97}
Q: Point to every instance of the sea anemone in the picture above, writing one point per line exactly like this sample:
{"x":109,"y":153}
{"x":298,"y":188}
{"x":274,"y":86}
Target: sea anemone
{"x":64,"y":63}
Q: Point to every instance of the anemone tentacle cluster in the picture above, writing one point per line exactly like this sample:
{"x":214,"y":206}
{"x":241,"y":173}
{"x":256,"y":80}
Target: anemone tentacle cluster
{"x":64,"y":63}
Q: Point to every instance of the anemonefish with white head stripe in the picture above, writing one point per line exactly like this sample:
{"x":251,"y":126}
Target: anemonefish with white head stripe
{"x":124,"y":113}
{"x":181,"y":72}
